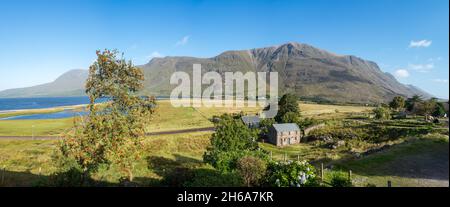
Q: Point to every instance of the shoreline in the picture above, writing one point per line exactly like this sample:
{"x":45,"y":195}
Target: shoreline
{"x":68,"y":107}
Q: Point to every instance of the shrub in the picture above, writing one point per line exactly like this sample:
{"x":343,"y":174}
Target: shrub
{"x":382,"y":113}
{"x":231,"y":141}
{"x":251,"y":169}
{"x":338,"y":179}
{"x":397,"y":103}
{"x":306,"y":122}
{"x":439,"y":110}
{"x":291,"y":174}
{"x":265,"y":124}
{"x":70,"y":178}
{"x":226,"y":161}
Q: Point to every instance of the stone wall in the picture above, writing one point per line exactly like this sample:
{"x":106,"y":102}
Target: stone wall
{"x":309,"y":129}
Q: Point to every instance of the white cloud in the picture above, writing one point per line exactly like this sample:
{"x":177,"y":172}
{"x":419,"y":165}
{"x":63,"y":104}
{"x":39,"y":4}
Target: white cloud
{"x":437,"y":80}
{"x":183,"y":41}
{"x":155,"y":54}
{"x":423,"y":68}
{"x":420,"y":43}
{"x":401,"y":73}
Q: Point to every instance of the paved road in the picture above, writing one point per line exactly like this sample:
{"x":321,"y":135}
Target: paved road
{"x":204,"y":129}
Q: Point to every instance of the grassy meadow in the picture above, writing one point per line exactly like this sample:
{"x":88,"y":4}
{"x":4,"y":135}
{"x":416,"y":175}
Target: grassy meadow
{"x":29,"y":162}
{"x":42,"y":127}
{"x":412,"y":151}
{"x":419,"y":162}
{"x":166,"y":118}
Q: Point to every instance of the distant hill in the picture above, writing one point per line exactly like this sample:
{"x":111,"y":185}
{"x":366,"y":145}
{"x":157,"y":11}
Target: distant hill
{"x":312,"y":73}
{"x":70,"y":83}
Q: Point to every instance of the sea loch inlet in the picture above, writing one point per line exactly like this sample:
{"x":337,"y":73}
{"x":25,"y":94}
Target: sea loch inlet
{"x":7,"y":104}
{"x":65,"y":105}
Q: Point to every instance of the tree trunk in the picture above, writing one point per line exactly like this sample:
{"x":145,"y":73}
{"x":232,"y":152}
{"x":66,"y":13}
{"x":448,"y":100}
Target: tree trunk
{"x":84,"y":175}
{"x":130,"y":175}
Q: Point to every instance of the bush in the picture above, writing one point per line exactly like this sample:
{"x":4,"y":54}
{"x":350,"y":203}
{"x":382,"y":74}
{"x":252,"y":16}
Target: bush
{"x":340,"y":180}
{"x":291,"y":174}
{"x":69,"y":174}
{"x":73,"y":177}
{"x":397,"y":103}
{"x":306,"y":122}
{"x":439,"y":110}
{"x":226,"y":161}
{"x":382,"y":113}
{"x":265,"y":124}
{"x":231,"y":141}
{"x":251,"y":169}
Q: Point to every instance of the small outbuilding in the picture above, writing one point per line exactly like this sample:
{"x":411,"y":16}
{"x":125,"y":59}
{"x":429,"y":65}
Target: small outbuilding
{"x":251,"y":121}
{"x":284,"y":134}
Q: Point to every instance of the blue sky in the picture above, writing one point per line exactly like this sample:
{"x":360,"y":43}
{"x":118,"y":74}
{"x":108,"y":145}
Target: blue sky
{"x":40,"y":40}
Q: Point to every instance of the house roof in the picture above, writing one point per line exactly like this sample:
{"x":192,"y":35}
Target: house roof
{"x":250,"y":119}
{"x":287,"y":127}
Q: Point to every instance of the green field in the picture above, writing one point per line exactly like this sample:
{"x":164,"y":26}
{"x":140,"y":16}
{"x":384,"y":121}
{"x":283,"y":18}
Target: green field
{"x":166,"y":118}
{"x":416,"y":162}
{"x":44,"y":127}
{"x":410,"y":160}
{"x":309,"y":109}
{"x":28,"y":163}
{"x":419,"y":162}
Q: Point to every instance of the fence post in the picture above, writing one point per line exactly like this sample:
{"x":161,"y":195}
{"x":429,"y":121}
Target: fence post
{"x":3,"y":175}
{"x":350,"y":175}
{"x":298,"y":157}
{"x":270,"y":155}
{"x":285,"y":157}
{"x":321,"y":172}
{"x":389,"y":183}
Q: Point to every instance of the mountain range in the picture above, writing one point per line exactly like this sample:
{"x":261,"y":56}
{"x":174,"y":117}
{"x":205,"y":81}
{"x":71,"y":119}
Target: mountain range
{"x":70,"y":83}
{"x":309,"y":72}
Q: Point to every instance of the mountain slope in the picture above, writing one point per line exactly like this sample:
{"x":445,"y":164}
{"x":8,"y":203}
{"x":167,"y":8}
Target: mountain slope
{"x":307,"y":71}
{"x":311,"y":73}
{"x":70,"y":83}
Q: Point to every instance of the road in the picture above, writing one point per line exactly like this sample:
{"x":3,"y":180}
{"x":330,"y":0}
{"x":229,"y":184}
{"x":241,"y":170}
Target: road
{"x":204,"y":129}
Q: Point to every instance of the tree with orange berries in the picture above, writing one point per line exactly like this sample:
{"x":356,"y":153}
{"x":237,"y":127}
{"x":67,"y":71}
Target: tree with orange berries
{"x":111,"y":132}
